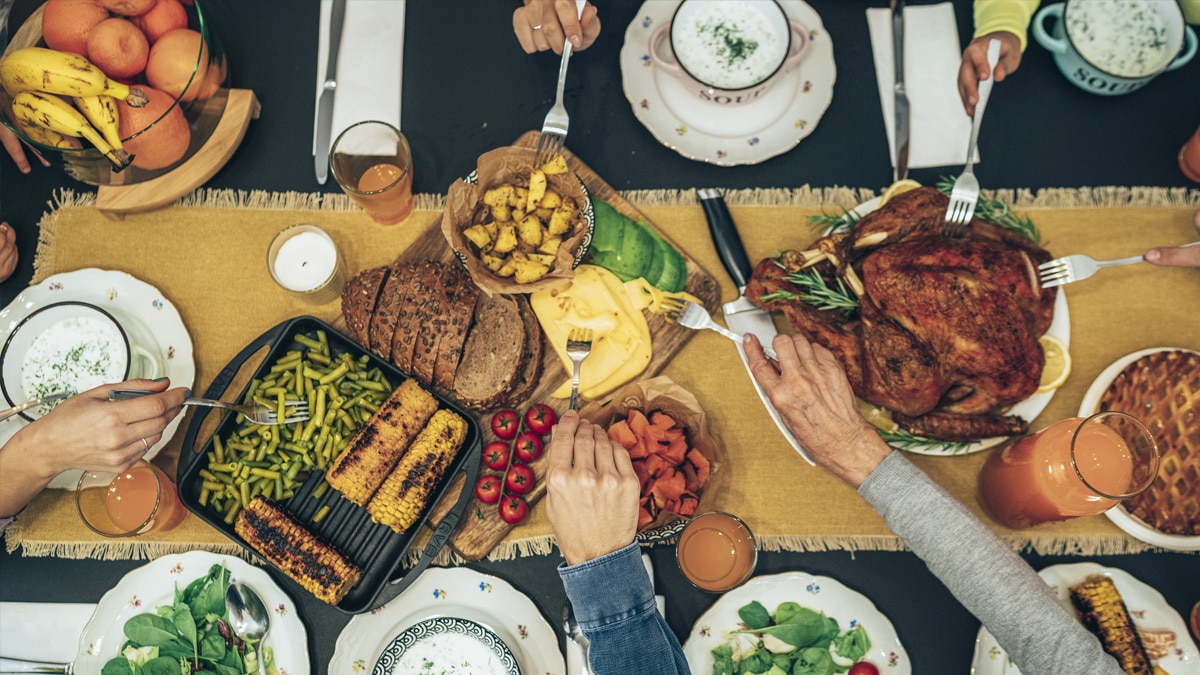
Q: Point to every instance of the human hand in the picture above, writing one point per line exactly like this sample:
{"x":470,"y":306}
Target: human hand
{"x":8,"y":251}
{"x":810,"y":390}
{"x":89,"y":432}
{"x":547,"y":24}
{"x":975,"y":65}
{"x":591,"y":491}
{"x":1177,"y":256}
{"x":16,"y":150}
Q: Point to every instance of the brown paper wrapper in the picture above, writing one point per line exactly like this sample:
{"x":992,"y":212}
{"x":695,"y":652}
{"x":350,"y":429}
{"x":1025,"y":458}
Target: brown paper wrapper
{"x":661,"y":393}
{"x":464,"y":201}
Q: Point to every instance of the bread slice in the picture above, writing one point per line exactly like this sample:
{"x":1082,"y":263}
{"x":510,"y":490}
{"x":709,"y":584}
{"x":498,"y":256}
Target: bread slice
{"x":429,"y":321}
{"x":410,"y":307}
{"x":383,"y":321}
{"x":358,"y":301}
{"x":492,"y":357}
{"x":461,"y":294}
{"x":531,"y":370}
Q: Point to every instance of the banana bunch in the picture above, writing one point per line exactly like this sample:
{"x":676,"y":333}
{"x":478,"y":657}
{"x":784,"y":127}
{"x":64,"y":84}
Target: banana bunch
{"x":48,"y":138}
{"x":36,"y":109}
{"x":54,"y":72}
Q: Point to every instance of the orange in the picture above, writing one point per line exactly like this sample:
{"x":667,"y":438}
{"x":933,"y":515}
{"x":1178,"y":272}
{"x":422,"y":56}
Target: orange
{"x":67,"y":23}
{"x":128,"y":7}
{"x":164,"y":17}
{"x":173,"y":59}
{"x":158,"y":143}
{"x":118,"y":47}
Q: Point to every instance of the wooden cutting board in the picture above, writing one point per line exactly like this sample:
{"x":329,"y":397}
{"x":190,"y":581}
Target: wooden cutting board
{"x":481,"y":528}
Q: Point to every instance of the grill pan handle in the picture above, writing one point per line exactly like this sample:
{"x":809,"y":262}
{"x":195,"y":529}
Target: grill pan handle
{"x":440,"y":535}
{"x":190,"y":454}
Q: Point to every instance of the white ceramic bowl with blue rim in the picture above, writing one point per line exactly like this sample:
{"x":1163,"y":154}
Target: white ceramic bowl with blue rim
{"x":449,"y":645}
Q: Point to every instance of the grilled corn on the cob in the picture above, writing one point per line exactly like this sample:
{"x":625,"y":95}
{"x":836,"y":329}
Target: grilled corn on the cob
{"x":318,"y":567}
{"x":366,"y":462}
{"x":1104,"y":614}
{"x":405,"y":493}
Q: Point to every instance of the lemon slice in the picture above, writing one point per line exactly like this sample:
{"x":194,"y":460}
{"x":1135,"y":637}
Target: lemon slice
{"x":1058,"y":364}
{"x":896,"y":188}
{"x":880,"y":418}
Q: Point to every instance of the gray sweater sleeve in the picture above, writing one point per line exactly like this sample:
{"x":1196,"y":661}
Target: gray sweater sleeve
{"x":1019,"y":609}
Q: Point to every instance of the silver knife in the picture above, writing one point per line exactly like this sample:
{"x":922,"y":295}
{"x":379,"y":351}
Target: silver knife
{"x":325,"y":104}
{"x":901,"y":96}
{"x":741,"y":315}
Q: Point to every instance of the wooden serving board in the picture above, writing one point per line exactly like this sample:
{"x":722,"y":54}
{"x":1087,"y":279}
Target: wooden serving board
{"x":481,"y":528}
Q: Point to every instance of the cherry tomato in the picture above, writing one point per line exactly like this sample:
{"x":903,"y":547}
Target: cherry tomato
{"x":863,"y":668}
{"x":505,"y":424}
{"x":495,"y":455}
{"x":487,"y":489}
{"x":528,"y":447}
{"x":513,"y":509}
{"x":540,"y":418}
{"x":519,"y":479}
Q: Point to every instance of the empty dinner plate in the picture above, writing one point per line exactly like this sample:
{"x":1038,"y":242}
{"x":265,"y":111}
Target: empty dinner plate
{"x":446,"y":645}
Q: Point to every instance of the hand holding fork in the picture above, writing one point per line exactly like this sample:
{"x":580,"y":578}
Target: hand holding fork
{"x":554,"y":129}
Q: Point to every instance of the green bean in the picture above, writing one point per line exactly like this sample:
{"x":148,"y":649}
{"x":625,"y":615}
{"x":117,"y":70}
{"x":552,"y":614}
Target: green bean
{"x":309,"y":342}
{"x":321,"y":513}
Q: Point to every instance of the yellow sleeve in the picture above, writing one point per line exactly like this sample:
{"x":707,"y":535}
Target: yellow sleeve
{"x":1191,"y":10}
{"x":1007,"y":15}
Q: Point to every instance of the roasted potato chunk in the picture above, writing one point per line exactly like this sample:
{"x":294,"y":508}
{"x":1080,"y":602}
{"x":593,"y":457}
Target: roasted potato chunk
{"x":537,"y":189}
{"x":531,"y":231}
{"x":506,"y":239}
{"x":555,"y":166}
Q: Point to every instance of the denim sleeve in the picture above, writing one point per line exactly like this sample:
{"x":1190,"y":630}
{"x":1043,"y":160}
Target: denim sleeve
{"x":984,"y":574}
{"x":614,"y":604}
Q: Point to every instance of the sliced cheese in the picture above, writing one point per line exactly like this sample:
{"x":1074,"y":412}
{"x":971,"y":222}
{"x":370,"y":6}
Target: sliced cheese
{"x":595,"y":299}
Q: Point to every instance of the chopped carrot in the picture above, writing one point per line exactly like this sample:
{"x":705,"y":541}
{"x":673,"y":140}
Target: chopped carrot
{"x":661,"y":419}
{"x":638,"y":422}
{"x":639,"y":450}
{"x":674,"y":433}
{"x":644,"y":518}
{"x":676,"y":452}
{"x":654,"y":436}
{"x":687,"y":504}
{"x":619,"y":432}
{"x":656,"y":465}
{"x":669,"y":486}
{"x":690,"y":483}
{"x":700,"y":462}
{"x":639,"y":468}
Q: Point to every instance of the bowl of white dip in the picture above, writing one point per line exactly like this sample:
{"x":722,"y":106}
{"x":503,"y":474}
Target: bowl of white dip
{"x":729,"y":52}
{"x":446,"y":645}
{"x":67,"y":346}
{"x":1112,"y":47}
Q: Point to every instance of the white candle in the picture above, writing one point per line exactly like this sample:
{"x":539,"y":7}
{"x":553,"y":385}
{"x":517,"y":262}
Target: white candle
{"x":305,"y":261}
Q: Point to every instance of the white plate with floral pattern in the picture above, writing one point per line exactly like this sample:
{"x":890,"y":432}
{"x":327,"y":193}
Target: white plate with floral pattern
{"x":823,"y":594}
{"x":1147,"y":607}
{"x":722,"y":135}
{"x":141,"y":309}
{"x":452,"y":592}
{"x":154,"y":584}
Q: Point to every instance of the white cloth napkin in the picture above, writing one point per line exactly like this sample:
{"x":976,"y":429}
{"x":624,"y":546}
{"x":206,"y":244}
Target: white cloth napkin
{"x":370,"y":63}
{"x":42,"y":631}
{"x":939,"y":128}
{"x":575,"y":664}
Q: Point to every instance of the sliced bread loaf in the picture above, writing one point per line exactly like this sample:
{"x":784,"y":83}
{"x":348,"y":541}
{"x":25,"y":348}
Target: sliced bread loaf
{"x":492,"y":357}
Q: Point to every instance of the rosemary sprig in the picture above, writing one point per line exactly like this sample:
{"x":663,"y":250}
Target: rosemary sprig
{"x":904,"y":440}
{"x":828,"y":223}
{"x":816,"y":293}
{"x":998,"y":212}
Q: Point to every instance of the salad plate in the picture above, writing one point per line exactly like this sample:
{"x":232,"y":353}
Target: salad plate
{"x":141,"y":309}
{"x":1028,"y":409}
{"x":708,"y":132}
{"x":823,"y":594}
{"x":155,"y":583}
{"x":456,"y":593}
{"x":1147,"y":607}
{"x":1131,"y":524}
{"x":447,"y":645}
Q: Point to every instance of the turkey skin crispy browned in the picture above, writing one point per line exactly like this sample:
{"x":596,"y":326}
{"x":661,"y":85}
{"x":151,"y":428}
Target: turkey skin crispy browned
{"x":946,"y":331}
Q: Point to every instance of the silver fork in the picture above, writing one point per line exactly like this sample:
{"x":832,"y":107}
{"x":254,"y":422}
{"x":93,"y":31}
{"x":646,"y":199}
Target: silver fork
{"x":554,"y":129}
{"x":295,"y":411}
{"x":579,"y":345}
{"x":1079,"y":267}
{"x":696,"y":317}
{"x":966,"y":188}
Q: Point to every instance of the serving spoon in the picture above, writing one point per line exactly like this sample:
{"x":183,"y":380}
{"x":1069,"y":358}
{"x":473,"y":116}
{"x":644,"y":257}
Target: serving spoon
{"x":248,"y":617}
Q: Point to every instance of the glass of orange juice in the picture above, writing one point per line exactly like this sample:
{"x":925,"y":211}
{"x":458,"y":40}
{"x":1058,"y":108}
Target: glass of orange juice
{"x":1074,"y":467}
{"x":373,"y":164}
{"x":716,"y":551}
{"x":138,"y":500}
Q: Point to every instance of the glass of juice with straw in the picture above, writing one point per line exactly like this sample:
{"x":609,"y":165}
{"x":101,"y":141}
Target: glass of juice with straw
{"x":1074,"y":467}
{"x":716,"y":551}
{"x":373,"y":164}
{"x":138,"y":500}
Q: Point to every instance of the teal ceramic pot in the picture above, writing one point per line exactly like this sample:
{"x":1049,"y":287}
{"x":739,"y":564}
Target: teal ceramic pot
{"x":1115,"y":52}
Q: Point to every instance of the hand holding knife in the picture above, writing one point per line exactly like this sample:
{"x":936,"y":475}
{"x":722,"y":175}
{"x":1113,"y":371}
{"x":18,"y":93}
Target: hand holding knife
{"x":900,"y":111}
{"x":324,"y":122}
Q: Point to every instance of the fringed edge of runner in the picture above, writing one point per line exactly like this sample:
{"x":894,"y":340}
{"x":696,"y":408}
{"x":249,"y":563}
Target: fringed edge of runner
{"x":117,"y":550}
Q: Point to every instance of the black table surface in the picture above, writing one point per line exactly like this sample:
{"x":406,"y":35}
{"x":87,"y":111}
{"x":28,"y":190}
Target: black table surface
{"x":469,"y":88}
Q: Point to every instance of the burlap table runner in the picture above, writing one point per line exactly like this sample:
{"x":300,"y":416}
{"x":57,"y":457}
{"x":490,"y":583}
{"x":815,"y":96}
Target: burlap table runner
{"x":207,"y":255}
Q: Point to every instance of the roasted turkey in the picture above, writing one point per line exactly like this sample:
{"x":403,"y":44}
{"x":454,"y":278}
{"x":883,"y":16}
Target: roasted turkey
{"x":946,"y":330}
